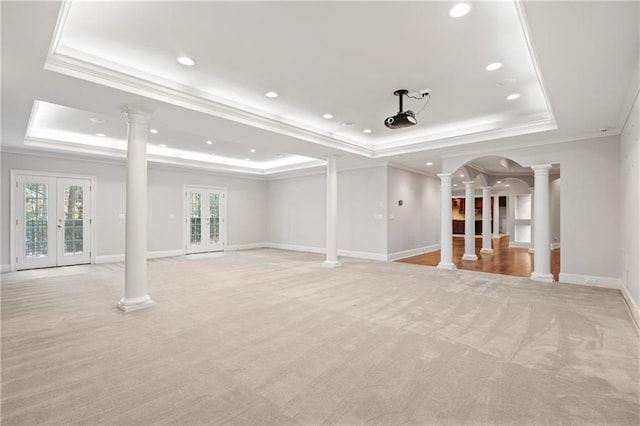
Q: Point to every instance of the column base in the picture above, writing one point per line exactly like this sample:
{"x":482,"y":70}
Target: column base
{"x":331,"y":264}
{"x":469,"y":257}
{"x":547,"y":278}
{"x":447,"y":266}
{"x":135,"y":303}
{"x":495,"y":237}
{"x":486,"y":251}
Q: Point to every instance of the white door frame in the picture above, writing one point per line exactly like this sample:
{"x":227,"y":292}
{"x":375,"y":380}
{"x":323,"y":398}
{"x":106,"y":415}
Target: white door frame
{"x":186,"y":214}
{"x":13,"y":214}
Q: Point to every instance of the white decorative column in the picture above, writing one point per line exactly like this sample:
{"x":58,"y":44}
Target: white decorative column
{"x":446,"y":223}
{"x":486,"y":220}
{"x":332,"y":214}
{"x":542,"y":257}
{"x":469,"y":222}
{"x":496,"y":217}
{"x":135,"y":267}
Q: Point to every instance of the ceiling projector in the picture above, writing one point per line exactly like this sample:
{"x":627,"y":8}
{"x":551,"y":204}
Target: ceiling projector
{"x":404,"y":118}
{"x":400,"y":120}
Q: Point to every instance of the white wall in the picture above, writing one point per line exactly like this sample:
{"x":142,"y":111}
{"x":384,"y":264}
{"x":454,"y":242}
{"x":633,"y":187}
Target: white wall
{"x":516,"y":187}
{"x":362,"y":207}
{"x":589,"y":202}
{"x":246,"y":202}
{"x":630,"y":205}
{"x":415,"y":226}
{"x":297,"y":212}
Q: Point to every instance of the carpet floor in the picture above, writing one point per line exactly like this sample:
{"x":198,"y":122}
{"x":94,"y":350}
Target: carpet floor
{"x":270,"y":337}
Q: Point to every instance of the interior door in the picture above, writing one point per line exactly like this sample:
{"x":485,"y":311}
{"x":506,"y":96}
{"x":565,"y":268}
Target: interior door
{"x":204,"y":230}
{"x":53,"y":220}
{"x":74,"y":220}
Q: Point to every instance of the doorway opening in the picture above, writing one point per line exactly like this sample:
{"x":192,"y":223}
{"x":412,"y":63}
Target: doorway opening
{"x":205,"y":219}
{"x":52,"y":220}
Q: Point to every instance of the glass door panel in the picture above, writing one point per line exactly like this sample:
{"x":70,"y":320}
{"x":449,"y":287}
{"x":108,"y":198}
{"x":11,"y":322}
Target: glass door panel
{"x":52,"y":221}
{"x":73,"y":221}
{"x":195,"y":221}
{"x":204,"y":220}
{"x":35,"y":224}
{"x":214,"y":218}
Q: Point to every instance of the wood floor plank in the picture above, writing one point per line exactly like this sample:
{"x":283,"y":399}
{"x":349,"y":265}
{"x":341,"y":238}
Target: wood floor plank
{"x":505,"y":260}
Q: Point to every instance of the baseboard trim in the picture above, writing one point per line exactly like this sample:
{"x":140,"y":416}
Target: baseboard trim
{"x":634,"y":309}
{"x":249,"y":246}
{"x":321,"y":250}
{"x":590,"y":280}
{"x":110,"y":258}
{"x":114,"y":258}
{"x":294,"y":247}
{"x":413,"y":252}
{"x":5,"y":267}
{"x":363,"y":255}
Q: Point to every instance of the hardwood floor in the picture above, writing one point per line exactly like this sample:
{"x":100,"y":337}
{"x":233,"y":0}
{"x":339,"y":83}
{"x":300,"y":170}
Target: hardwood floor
{"x":504,"y":260}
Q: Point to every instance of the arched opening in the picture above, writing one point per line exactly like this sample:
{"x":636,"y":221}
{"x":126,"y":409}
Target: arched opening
{"x":493,"y":220}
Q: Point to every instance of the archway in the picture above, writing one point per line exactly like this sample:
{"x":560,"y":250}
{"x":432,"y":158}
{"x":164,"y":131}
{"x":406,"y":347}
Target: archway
{"x":510,"y":189}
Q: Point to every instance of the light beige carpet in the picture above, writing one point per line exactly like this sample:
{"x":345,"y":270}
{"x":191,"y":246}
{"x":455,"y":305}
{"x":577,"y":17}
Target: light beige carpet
{"x":271,"y":337}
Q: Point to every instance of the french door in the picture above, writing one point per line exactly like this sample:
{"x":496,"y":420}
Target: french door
{"x":204,"y":219}
{"x":53,"y":221}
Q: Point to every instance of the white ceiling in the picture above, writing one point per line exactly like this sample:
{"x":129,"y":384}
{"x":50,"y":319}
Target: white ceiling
{"x":574,"y":64}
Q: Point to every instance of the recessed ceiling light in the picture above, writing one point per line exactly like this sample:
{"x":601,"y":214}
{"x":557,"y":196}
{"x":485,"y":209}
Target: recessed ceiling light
{"x":97,"y":120}
{"x":494,"y":66}
{"x":327,"y":116}
{"x":507,"y":185}
{"x":247,"y":159}
{"x":461,"y":175}
{"x":185,"y":60}
{"x":429,"y":163}
{"x":366,"y":131}
{"x":271,"y":95}
{"x":154,"y":131}
{"x":101,"y":135}
{"x":455,"y":184}
{"x":208,"y":142}
{"x":459,"y":10}
{"x":162,"y":145}
{"x":252,"y":150}
{"x":513,"y":96}
{"x":499,"y":181}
